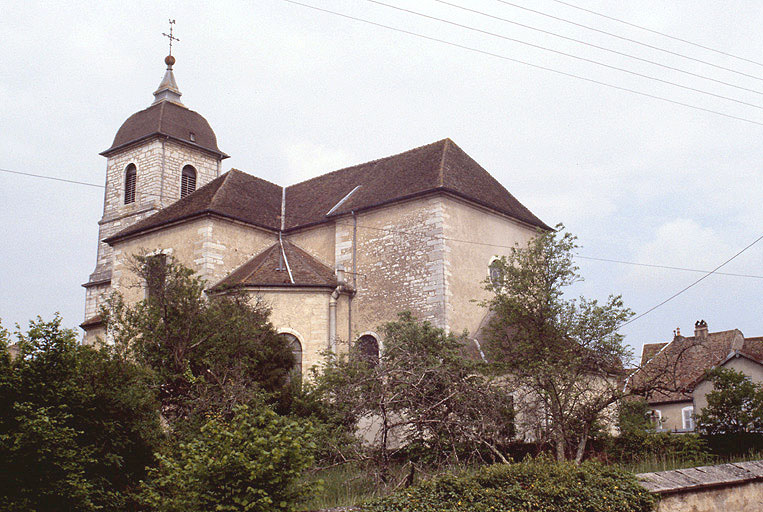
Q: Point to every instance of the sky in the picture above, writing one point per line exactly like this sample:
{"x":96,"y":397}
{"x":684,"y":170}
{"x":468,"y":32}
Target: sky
{"x":294,"y":92}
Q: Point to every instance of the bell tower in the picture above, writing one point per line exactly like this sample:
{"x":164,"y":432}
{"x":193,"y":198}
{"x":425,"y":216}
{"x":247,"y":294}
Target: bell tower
{"x":159,"y":155}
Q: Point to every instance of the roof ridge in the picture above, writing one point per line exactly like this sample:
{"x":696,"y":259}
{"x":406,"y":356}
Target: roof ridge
{"x":307,"y":257}
{"x":249,"y":175}
{"x":161,"y":116}
{"x":441,"y":170}
{"x":369,"y":162}
{"x":225,"y":179}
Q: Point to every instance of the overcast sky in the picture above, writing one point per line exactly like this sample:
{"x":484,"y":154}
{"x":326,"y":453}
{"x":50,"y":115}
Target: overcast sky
{"x":293,"y":93}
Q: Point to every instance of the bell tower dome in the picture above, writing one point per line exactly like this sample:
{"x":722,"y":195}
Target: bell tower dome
{"x":158,"y":156}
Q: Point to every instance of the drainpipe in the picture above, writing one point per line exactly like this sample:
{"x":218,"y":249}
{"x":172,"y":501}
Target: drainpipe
{"x":332,"y":307}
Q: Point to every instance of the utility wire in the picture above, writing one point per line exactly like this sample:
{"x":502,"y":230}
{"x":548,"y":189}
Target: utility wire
{"x":564,"y":20}
{"x":691,"y":285}
{"x":52,"y":178}
{"x":431,"y":237}
{"x":565,"y":54}
{"x":525,"y":63}
{"x":721,"y":52}
{"x":603,"y":48}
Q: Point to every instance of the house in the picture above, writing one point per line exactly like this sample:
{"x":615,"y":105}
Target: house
{"x":679,"y":368}
{"x":334,"y":257}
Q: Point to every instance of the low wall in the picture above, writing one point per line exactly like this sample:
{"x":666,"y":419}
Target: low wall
{"x":734,"y":487}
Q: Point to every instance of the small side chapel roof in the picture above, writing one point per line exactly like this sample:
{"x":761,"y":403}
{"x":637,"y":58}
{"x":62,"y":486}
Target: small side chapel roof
{"x":269,"y":269}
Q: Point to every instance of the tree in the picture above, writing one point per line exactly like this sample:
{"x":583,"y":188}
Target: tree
{"x":78,"y":424}
{"x":250,"y":462}
{"x":564,"y":356}
{"x":734,"y":406}
{"x":422,"y":392}
{"x":207,"y":355}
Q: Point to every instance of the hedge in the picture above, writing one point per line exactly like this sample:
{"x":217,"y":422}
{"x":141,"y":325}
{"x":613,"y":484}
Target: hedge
{"x":539,"y":485}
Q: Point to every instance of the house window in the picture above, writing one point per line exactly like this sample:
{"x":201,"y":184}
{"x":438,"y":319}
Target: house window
{"x":367,"y":349}
{"x":656,"y":417}
{"x":296,"y":349}
{"x":188,"y":181}
{"x":156,"y":276}
{"x":131,"y":176}
{"x":687,"y":413}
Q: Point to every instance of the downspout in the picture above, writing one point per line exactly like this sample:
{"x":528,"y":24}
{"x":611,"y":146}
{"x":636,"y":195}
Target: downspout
{"x":354,"y":275}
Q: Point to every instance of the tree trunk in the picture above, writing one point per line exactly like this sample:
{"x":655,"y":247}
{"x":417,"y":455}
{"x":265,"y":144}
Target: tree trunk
{"x":582,"y":444}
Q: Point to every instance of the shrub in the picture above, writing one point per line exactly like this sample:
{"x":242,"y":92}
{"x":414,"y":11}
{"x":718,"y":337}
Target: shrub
{"x":643,"y":445}
{"x":539,"y":485}
{"x":250,"y":462}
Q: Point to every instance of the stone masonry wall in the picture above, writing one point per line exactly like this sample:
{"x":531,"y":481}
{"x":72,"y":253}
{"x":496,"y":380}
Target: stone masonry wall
{"x":400,"y":263}
{"x":159,"y":165}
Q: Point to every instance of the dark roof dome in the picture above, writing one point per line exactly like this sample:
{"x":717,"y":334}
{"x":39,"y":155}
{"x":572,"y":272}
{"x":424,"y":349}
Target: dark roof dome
{"x":167,"y":117}
{"x":170,"y":120}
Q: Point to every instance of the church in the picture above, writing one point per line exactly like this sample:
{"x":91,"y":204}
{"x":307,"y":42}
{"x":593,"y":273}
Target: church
{"x":333,"y":257}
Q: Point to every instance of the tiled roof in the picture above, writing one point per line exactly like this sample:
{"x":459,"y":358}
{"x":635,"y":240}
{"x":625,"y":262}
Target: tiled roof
{"x":684,"y":361}
{"x":235,"y":195}
{"x":440,"y":166}
{"x":650,"y":350}
{"x":168,"y":119}
{"x":269,"y":268}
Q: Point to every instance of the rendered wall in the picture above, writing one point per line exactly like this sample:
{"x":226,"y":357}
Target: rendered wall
{"x":740,"y":364}
{"x":672,"y":418}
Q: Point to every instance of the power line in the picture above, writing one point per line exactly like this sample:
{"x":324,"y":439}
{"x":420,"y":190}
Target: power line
{"x":627,"y":39}
{"x":52,"y":178}
{"x":666,"y":267}
{"x":603,"y":48}
{"x":691,"y":285}
{"x":432,"y":237}
{"x":721,"y":52}
{"x":565,"y":54}
{"x":525,"y":63}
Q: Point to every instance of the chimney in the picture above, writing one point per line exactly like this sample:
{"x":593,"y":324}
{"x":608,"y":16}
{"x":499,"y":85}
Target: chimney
{"x":700,"y":329}
{"x":678,"y":331}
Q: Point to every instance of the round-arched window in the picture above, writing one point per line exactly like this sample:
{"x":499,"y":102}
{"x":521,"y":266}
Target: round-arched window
{"x":367,"y":349}
{"x":296,"y":349}
{"x":495,"y":270}
{"x":188,"y":181}
{"x":131,"y":177}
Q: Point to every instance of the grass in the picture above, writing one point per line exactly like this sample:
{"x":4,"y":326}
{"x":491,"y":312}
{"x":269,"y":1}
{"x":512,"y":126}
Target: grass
{"x":673,"y":462}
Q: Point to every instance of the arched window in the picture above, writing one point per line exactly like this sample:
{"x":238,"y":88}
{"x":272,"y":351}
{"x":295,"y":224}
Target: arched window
{"x":296,"y":349}
{"x":131,"y":176}
{"x":188,"y":181}
{"x":367,"y":349}
{"x":495,"y":270}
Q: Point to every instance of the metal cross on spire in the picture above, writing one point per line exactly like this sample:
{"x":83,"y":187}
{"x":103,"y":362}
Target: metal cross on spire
{"x":170,"y":36}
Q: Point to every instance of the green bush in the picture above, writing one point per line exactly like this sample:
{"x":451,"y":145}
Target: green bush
{"x":538,"y":485}
{"x":251,"y":462}
{"x":646,"y":446}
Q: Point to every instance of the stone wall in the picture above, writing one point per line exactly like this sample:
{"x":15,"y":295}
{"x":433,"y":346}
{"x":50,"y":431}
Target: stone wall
{"x":734,"y":487}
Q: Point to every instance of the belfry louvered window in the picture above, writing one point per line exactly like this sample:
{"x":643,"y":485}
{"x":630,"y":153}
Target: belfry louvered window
{"x":131,"y":176}
{"x":188,"y":181}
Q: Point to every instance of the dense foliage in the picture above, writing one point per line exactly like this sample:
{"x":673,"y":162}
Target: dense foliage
{"x":78,"y":425}
{"x":565,"y":356}
{"x":533,"y":486}
{"x":206,"y":355}
{"x":250,"y":462}
{"x":424,"y":395}
{"x":734,"y":406}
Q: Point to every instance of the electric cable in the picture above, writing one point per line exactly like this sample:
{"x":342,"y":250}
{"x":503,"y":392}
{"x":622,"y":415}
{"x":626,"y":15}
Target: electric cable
{"x":598,"y":47}
{"x":721,"y":52}
{"x":529,"y":64}
{"x":565,"y":54}
{"x":628,"y":39}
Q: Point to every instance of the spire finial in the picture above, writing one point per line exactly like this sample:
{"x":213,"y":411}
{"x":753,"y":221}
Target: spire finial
{"x":168,"y":88}
{"x":171,"y":38}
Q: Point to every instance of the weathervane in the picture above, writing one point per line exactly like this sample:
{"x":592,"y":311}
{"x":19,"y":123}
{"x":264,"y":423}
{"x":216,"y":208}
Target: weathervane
{"x":170,"y":36}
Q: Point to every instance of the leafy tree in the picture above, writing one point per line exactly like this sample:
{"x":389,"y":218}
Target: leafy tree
{"x":207,"y":355}
{"x":250,"y":462}
{"x":734,"y":406}
{"x":422,"y":393}
{"x":564,"y":356}
{"x":78,"y":424}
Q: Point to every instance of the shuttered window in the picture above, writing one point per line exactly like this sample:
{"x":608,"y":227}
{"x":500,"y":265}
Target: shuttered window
{"x":131,"y":176}
{"x":188,"y":182}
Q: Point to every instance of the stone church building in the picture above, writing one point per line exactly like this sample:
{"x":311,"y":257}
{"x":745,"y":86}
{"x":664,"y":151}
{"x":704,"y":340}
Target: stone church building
{"x":334,"y":257}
